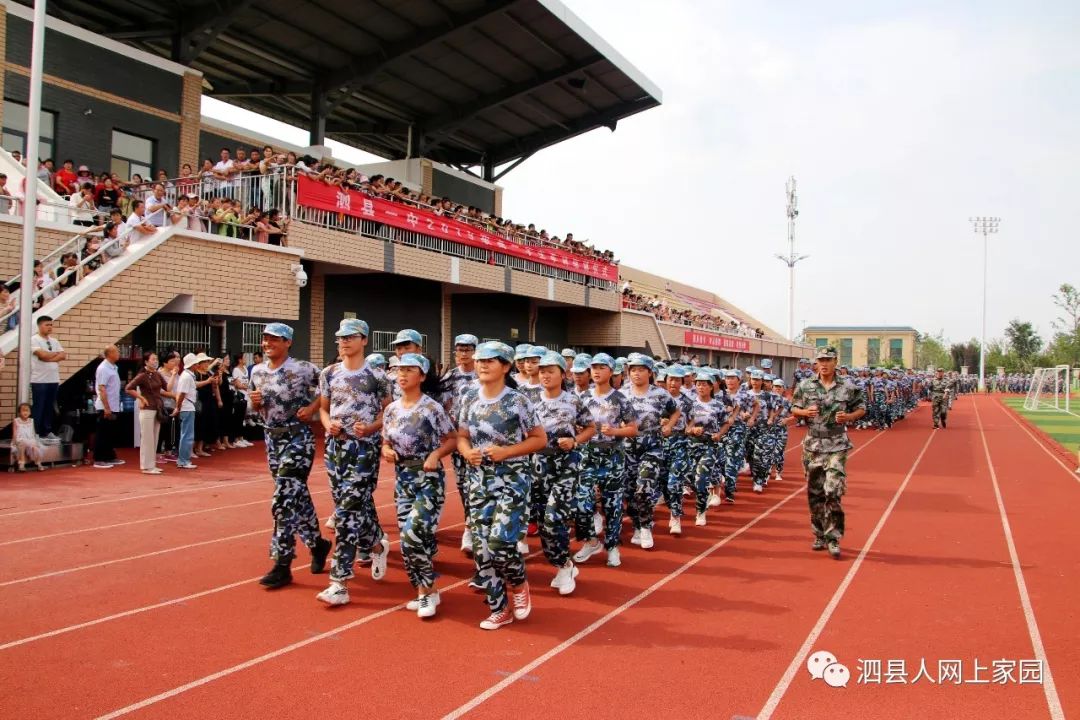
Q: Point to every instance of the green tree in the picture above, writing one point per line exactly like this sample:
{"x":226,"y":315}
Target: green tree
{"x":1024,"y":342}
{"x":997,"y":355}
{"x":1065,"y":345}
{"x":930,"y":350}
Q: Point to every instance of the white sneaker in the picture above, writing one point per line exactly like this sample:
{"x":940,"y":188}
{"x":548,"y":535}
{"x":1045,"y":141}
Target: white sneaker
{"x":676,"y":526}
{"x":613,"y":559}
{"x":714,"y":499}
{"x":151,"y":471}
{"x":336,"y":594}
{"x":426,"y":606}
{"x":378,"y":561}
{"x":590,"y":548}
{"x":188,"y":466}
{"x":117,"y":461}
{"x":331,"y":522}
{"x":414,"y":605}
{"x":597,"y":522}
{"x":102,"y":465}
{"x":566,"y":579}
{"x":523,"y":547}
{"x":466,"y":542}
{"x":636,"y":539}
{"x":646,"y":538}
{"x":700,"y":522}
{"x":758,"y":488}
{"x":745,"y":469}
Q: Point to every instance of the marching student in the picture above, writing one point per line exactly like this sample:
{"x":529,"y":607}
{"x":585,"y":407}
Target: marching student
{"x":459,"y":381}
{"x":417,"y":434}
{"x":677,"y":450}
{"x":568,"y":425}
{"x":709,"y":423}
{"x":783,"y":420}
{"x":497,"y":430}
{"x":656,"y":414}
{"x":604,"y":464}
{"x":744,"y":409}
{"x":352,"y":396}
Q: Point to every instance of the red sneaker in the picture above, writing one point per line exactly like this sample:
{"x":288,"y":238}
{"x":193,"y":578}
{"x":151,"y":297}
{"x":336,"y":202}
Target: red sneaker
{"x":522,"y":602}
{"x":533,"y":530}
{"x":497,"y":619}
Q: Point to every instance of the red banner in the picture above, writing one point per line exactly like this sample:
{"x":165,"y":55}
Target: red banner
{"x":311,"y":193}
{"x":697,"y":338}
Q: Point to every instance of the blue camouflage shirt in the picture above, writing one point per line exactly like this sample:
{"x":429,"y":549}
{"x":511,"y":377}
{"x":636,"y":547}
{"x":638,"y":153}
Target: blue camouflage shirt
{"x":652,"y":407}
{"x":562,"y":416}
{"x":709,"y":415}
{"x":531,"y":391}
{"x":293,"y":385}
{"x":457,"y":383}
{"x":504,"y":420}
{"x":611,"y":409}
{"x":354,"y":395}
{"x":417,"y":431}
{"x":684,"y":403}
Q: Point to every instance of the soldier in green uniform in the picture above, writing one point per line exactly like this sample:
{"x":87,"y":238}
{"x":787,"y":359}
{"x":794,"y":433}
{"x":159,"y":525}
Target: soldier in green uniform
{"x":939,"y":391}
{"x":828,"y":403}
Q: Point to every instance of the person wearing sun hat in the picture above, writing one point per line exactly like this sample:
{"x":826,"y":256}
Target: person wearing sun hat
{"x":497,"y":432}
{"x":568,"y":426}
{"x":352,"y":396}
{"x":284,"y":393}
{"x":828,"y":405}
{"x":604,"y":465}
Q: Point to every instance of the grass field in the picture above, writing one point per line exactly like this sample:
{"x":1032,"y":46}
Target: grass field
{"x":1064,"y":428}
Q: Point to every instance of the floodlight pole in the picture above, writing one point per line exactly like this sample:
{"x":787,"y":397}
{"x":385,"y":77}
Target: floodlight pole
{"x":33,"y":137}
{"x":986,"y":226}
{"x":791,"y":258}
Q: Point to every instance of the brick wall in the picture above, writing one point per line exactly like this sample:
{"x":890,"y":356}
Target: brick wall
{"x":190,"y":120}
{"x":317,"y":288}
{"x":593,"y":327}
{"x":46,"y":240}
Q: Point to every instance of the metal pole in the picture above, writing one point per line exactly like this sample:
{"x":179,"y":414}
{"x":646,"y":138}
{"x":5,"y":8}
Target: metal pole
{"x":791,"y":258}
{"x":982,"y":340}
{"x":33,"y":136}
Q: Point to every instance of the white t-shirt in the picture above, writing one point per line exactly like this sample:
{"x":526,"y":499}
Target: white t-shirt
{"x":41,"y":371}
{"x":155,"y":217}
{"x":225,"y":167}
{"x":186,"y":385}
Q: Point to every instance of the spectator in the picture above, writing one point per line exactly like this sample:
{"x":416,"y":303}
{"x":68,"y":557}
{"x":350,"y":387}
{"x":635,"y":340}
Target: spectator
{"x":45,"y":172}
{"x":170,"y":372}
{"x":43,"y":284}
{"x":147,"y":388}
{"x":256,"y":360}
{"x":112,"y":231}
{"x":185,"y":408}
{"x":5,"y":196}
{"x":82,"y":205}
{"x":65,"y":181}
{"x":157,"y":206}
{"x":107,"y":196}
{"x":24,"y":440}
{"x":279,"y":228}
{"x":137,"y":222}
{"x":107,"y":403}
{"x":8,"y":305}
{"x":16,"y":155}
{"x":45,"y":376}
{"x":224,"y":171}
{"x":84,"y":176}
{"x":68,"y":271}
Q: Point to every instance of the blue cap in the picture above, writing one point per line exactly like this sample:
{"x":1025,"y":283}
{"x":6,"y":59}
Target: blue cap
{"x":277,"y":329}
{"x":603,"y":359}
{"x":579,"y":366}
{"x":568,"y":353}
{"x":583,"y":357}
{"x":768,"y":377}
{"x":804,"y":360}
{"x":778,"y":382}
{"x":375,"y":360}
{"x":661,"y":375}
{"x":466,"y":339}
{"x":637,"y":359}
{"x":676,"y":371}
{"x":703,"y":376}
{"x":414,"y":360}
{"x":620,"y":365}
{"x":553,"y":358}
{"x":757,"y":375}
{"x":766,"y":364}
{"x":408,"y":336}
{"x":494,"y":350}
{"x":522,"y":351}
{"x":748,"y":369}
{"x":731,"y":373}
{"x":536,"y":351}
{"x":352,"y":326}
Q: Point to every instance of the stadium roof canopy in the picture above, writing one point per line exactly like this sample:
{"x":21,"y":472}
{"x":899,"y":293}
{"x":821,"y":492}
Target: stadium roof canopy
{"x":465,"y":82}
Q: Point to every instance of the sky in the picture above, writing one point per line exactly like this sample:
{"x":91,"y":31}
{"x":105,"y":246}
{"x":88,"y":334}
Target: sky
{"x":899,"y":121}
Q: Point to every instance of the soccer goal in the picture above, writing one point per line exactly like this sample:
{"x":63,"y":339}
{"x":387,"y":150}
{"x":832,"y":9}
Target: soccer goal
{"x":1050,"y":389}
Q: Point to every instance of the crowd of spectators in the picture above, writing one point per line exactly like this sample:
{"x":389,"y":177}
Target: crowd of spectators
{"x":666,"y":312}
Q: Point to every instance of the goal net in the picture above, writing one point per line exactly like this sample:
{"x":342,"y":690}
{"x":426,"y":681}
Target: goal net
{"x":1050,"y":389}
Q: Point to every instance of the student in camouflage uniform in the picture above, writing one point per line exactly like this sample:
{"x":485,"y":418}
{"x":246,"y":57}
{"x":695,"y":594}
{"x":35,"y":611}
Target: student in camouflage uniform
{"x":656,"y":413}
{"x":745,"y":409}
{"x":497,"y":430}
{"x":709,"y":423}
{"x":677,"y":450}
{"x":418,"y":433}
{"x":568,"y":426}
{"x":283,"y":393}
{"x":458,"y":382}
{"x":939,"y":389}
{"x":782,"y":421}
{"x":406,"y":341}
{"x":352,"y":395}
{"x":604,"y":464}
{"x":759,"y":438}
{"x":828,"y":404}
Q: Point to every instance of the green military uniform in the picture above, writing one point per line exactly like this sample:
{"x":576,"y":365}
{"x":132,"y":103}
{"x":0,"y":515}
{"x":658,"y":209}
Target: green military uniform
{"x":825,"y":451}
{"x":940,"y":388}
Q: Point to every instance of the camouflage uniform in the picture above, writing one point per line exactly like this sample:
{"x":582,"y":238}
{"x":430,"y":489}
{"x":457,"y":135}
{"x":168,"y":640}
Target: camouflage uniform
{"x":603,"y":467}
{"x":459,"y":382}
{"x":498,"y":492}
{"x":939,"y":388}
{"x":706,"y":453}
{"x":290,"y":450}
{"x":825,"y":452}
{"x":734,"y":444}
{"x":759,"y":440}
{"x":557,"y":472}
{"x":414,"y":433}
{"x":645,"y":455}
{"x":780,"y":433}
{"x":677,"y":453}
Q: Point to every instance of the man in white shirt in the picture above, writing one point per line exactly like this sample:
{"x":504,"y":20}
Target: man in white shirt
{"x":47,"y":352}
{"x":137,"y":221}
{"x":107,"y":403}
{"x":224,"y":171}
{"x":157,"y":207}
{"x":185,"y":408}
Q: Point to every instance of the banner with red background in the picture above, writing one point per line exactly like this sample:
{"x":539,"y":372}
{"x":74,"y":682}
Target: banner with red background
{"x":697,"y":338}
{"x":314,"y":194}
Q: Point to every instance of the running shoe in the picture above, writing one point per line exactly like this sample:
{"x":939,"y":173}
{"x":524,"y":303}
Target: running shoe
{"x":466,"y":542}
{"x":590,"y":548}
{"x":336,"y":594}
{"x":497,"y":619}
{"x":427,"y":605}
{"x":646,"y":538}
{"x":834,"y":549}
{"x":700,"y":521}
{"x":758,"y":488}
{"x":522,"y":602}
{"x":613,"y":559}
{"x":636,"y":538}
{"x":117,"y":461}
{"x":103,"y":465}
{"x":819,"y":544}
{"x":186,"y":466}
{"x":378,"y":560}
{"x":568,"y":582}
{"x":714,"y":499}
{"x":675,"y":528}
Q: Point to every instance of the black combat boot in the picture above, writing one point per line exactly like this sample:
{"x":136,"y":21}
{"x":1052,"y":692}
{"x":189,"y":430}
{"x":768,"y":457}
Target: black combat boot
{"x":279,"y":576}
{"x":319,"y":554}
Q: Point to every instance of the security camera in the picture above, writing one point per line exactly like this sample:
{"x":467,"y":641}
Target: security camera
{"x":301,"y":276}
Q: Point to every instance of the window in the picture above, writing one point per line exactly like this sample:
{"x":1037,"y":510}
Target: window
{"x":896,"y":349}
{"x":16,"y":120}
{"x":251,"y":339}
{"x":821,"y":342}
{"x":382,"y":341}
{"x":845,"y":351}
{"x":183,"y":336}
{"x":132,"y":154}
{"x":873,"y":351}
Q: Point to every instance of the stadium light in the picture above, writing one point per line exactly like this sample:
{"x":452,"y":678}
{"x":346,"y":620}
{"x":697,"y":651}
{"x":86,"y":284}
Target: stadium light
{"x":791,"y":258}
{"x":986,"y":226}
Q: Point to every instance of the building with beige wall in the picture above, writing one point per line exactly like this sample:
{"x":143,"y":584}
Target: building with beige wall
{"x":859,"y":345}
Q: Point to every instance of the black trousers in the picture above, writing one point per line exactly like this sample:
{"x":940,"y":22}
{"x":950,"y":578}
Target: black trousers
{"x":105,"y":438}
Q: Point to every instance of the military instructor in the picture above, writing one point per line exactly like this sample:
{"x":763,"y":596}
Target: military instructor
{"x":828,"y":403}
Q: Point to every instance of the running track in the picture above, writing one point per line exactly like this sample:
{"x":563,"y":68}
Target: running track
{"x":126,"y":595}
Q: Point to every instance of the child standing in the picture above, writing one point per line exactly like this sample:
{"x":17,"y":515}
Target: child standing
{"x":25,"y":440}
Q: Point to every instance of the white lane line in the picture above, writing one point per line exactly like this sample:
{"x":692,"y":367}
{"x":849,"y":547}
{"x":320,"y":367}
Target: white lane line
{"x":596,"y":625}
{"x":268,"y":656}
{"x":105,"y":563}
{"x":155,"y":606}
{"x":1037,"y":441}
{"x":131,"y":497}
{"x":800,"y":657}
{"x":1053,"y":702}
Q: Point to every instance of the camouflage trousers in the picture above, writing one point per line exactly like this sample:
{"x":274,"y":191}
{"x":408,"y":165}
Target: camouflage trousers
{"x":707,"y":454}
{"x":734,"y":455}
{"x":644,"y":461}
{"x":601,"y":469}
{"x":679,"y":471}
{"x":940,"y":408}
{"x":461,"y":474}
{"x":419,"y":496}
{"x":353,"y":467}
{"x":290,"y":458}
{"x":760,"y":449}
{"x":780,"y":438}
{"x":498,"y":510}
{"x":559,"y":474}
{"x":826,"y":481}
